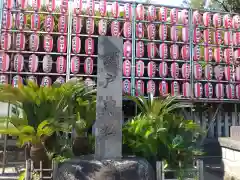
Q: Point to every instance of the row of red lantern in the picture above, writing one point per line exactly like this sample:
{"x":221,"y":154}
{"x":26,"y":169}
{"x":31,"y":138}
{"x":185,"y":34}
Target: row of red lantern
{"x":218,"y":91}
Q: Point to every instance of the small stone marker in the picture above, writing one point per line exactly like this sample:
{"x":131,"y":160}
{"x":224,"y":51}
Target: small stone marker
{"x":108,"y":127}
{"x":235,"y":132}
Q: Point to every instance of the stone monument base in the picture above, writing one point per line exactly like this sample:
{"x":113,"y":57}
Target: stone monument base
{"x":87,"y":168}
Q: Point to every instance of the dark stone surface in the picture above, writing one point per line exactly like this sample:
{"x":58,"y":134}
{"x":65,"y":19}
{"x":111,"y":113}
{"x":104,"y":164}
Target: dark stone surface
{"x":86,"y":169}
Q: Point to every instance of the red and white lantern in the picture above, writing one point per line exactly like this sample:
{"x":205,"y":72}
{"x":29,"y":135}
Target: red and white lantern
{"x":207,"y":36}
{"x":88,"y":66}
{"x":237,"y":73}
{"x":126,"y":86}
{"x":186,"y":90}
{"x":75,"y":64}
{"x":46,"y":81}
{"x":102,"y":27}
{"x":48,"y":43}
{"x":197,"y":18}
{"x":115,"y":9}
{"x":184,"y":16}
{"x":218,"y":55}
{"x":207,"y":19}
{"x":3,"y":79}
{"x":33,"y":63}
{"x":217,"y":20}
{"x":21,"y":21}
{"x":152,"y":50}
{"x":47,"y":63}
{"x":162,"y":14}
{"x":230,"y":91}
{"x":77,"y":25}
{"x":236,"y":22}
{"x":238,"y":91}
{"x":17,"y":81}
{"x":7,"y":19}
{"x":163,"y":51}
{"x":127,"y":11}
{"x":208,"y":54}
{"x":18,"y":62}
{"x":174,"y":33}
{"x":197,"y":70}
{"x":51,"y":5}
{"x":163,"y":69}
{"x":127,"y":49}
{"x":21,"y":4}
{"x":36,"y":4}
{"x":140,"y":30}
{"x":227,"y":21}
{"x":174,"y":16}
{"x":208,"y":71}
{"x":5,"y":41}
{"x":174,"y":51}
{"x":89,"y":46}
{"x":219,"y":91}
{"x":115,"y":28}
{"x":49,"y":23}
{"x":140,"y":68}
{"x":139,"y":88}
{"x":151,"y":87}
{"x":196,"y":53}
{"x":127,"y":29}
{"x":185,"y":52}
{"x":175,"y":88}
{"x":198,"y":90}
{"x":163,"y":88}
{"x":151,"y":31}
{"x":186,"y":71}
{"x":139,"y":49}
{"x":140,"y":12}
{"x":229,"y":73}
{"x":127,"y":68}
{"x":185,"y":34}
{"x":61,"y":64}
{"x":90,"y":7}
{"x":228,"y":55}
{"x":63,"y":24}
{"x":34,"y":42}
{"x":62,"y":44}
{"x":228,"y":38}
{"x":174,"y":70}
{"x":208,"y":90}
{"x":151,"y":13}
{"x":103,"y":8}
{"x":76,"y":44}
{"x":89,"y":26}
{"x":196,"y":35}
{"x":236,"y":38}
{"x":151,"y":69}
{"x":217,"y":37}
{"x":218,"y":71}
{"x":163,"y":32}
{"x":35,"y":22}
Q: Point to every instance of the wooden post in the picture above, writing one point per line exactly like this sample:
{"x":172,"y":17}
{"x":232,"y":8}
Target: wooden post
{"x":28,"y":170}
{"x":41,"y":171}
{"x":200,"y":169}
{"x":159,"y":170}
{"x":54,"y":169}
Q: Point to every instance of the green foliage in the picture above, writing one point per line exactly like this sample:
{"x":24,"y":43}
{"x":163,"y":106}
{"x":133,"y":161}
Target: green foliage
{"x":158,"y":133}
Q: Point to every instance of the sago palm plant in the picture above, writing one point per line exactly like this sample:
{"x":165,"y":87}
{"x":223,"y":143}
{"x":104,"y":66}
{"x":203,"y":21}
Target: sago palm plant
{"x":41,"y":111}
{"x":159,"y":133}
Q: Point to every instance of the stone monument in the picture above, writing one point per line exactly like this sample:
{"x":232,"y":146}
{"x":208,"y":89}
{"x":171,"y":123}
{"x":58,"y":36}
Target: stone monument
{"x":107,"y":163}
{"x":108,"y":128}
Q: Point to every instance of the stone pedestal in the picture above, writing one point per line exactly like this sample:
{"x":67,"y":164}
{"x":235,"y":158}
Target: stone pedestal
{"x":87,"y":168}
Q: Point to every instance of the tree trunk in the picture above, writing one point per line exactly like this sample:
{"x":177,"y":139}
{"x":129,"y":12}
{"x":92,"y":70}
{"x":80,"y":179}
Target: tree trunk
{"x":80,"y":146}
{"x":38,"y":154}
